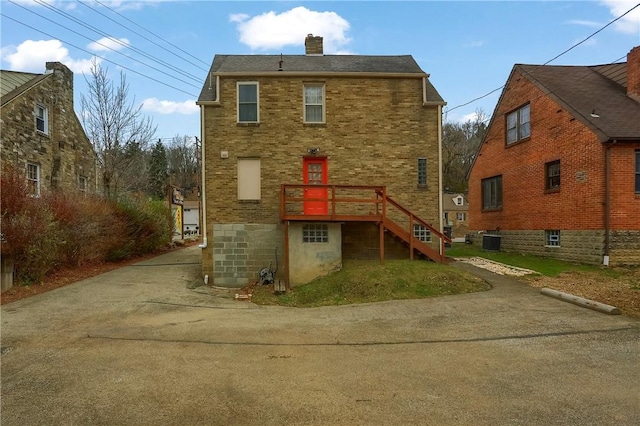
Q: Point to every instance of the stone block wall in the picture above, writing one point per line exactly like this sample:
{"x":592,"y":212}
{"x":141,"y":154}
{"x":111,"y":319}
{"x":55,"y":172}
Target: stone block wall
{"x":64,"y":153}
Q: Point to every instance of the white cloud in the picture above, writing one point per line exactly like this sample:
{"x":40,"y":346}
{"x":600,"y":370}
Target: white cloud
{"x":31,"y":55}
{"x":585,"y":23}
{"x":108,"y":43}
{"x":274,"y":31}
{"x":475,"y":43}
{"x":170,"y":107}
{"x":630,"y":24}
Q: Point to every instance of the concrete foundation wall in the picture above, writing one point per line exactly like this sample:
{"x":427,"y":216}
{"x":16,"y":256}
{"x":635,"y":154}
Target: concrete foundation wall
{"x":625,"y":248}
{"x":311,"y":260}
{"x":241,"y":250}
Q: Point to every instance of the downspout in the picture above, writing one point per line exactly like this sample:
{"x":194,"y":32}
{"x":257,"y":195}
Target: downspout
{"x":607,"y":204}
{"x":440,"y":206}
{"x":203,"y":189}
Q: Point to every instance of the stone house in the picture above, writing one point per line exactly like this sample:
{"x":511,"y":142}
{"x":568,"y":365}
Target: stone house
{"x":40,"y":133}
{"x":307,"y":158}
{"x":558,"y":173}
{"x":456,"y":213}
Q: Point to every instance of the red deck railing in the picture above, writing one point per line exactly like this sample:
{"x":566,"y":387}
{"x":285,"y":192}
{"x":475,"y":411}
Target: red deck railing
{"x":359,"y":203}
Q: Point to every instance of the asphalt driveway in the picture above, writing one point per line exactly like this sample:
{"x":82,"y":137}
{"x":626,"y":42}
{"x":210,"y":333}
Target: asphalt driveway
{"x":135,"y":346}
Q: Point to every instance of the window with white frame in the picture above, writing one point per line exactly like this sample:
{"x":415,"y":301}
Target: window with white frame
{"x":519,"y":124}
{"x":42,"y":119}
{"x":249,"y":179}
{"x":248,"y":102}
{"x":422,"y":171}
{"x":314,"y":103}
{"x":459,"y":200}
{"x":460,"y":216}
{"x":552,"y":238}
{"x":33,"y":179}
{"x":421,"y":233}
{"x":315,"y":233}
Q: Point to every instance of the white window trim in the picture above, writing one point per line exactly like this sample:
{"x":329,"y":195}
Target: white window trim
{"x":247,"y":83}
{"x":36,"y":180}
{"x":45,"y":119}
{"x":304,"y":103}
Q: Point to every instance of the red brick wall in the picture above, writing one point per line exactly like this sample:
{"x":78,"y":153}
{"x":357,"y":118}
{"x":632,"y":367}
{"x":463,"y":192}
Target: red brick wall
{"x":625,"y":205}
{"x":555,"y":135}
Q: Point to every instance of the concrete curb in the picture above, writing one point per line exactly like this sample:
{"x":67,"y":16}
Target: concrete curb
{"x":586,"y":303}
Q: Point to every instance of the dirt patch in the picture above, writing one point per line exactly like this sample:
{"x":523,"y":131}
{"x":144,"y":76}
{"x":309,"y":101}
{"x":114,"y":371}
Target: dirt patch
{"x":621,"y":291}
{"x":68,"y":276}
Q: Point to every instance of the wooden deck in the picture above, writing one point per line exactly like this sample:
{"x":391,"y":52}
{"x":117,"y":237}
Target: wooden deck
{"x":353,"y":203}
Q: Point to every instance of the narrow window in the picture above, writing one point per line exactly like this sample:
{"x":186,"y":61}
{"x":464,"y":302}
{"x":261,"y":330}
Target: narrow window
{"x":315,"y":233}
{"x":421,"y":233}
{"x":552,"y":175}
{"x":42,"y":119}
{"x":492,"y":193}
{"x":552,"y":238}
{"x":314,"y":103}
{"x":33,"y":179}
{"x":82,"y":183}
{"x":519,"y":124}
{"x":637,"y":171}
{"x":422,"y":171}
{"x":248,"y":103}
{"x":249,"y":179}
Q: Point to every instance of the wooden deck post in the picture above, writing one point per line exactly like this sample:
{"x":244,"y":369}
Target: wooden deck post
{"x":410,"y":237}
{"x":381,"y":242}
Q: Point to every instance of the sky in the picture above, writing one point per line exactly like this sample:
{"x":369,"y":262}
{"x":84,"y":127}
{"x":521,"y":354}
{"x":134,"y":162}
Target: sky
{"x":165,"y":48}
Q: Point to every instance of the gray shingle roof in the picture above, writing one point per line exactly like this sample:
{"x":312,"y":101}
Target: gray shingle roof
{"x":13,"y":82}
{"x":314,"y":64}
{"x":585,"y":89}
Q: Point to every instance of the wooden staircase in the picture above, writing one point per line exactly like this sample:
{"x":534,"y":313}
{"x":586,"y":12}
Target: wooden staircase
{"x":348,"y":203}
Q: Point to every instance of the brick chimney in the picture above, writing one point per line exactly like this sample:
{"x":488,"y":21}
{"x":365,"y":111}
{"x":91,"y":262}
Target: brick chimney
{"x":633,"y":73}
{"x":313,"y":45}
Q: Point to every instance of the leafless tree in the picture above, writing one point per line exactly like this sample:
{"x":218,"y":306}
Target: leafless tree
{"x":460,"y":142}
{"x":118,"y":131}
{"x":183,"y":163}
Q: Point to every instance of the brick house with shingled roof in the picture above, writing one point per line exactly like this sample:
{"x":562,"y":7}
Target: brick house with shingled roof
{"x":558,"y":172}
{"x":305,"y":158}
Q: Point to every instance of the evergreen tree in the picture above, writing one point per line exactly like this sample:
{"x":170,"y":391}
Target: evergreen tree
{"x":158,"y":166}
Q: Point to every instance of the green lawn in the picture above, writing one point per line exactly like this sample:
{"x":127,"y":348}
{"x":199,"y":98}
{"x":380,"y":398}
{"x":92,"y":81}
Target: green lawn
{"x":545,"y":266}
{"x":362,"y":281}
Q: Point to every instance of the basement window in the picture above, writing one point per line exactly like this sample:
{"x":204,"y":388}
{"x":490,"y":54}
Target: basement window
{"x":315,"y":233}
{"x":422,"y":233}
{"x":552,"y":238}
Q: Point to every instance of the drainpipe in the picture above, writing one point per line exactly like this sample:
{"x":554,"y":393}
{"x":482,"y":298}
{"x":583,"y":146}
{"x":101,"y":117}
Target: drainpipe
{"x":440,"y":206}
{"x":203,"y":189}
{"x":607,"y":204}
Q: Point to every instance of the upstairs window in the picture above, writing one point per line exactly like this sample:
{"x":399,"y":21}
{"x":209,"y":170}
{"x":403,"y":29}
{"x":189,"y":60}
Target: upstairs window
{"x":638,"y":172}
{"x":518,"y":124}
{"x":552,"y":176}
{"x":33,"y":179}
{"x":248,"y":111}
{"x":422,"y":172}
{"x":82,"y":183}
{"x":314,"y":103}
{"x":42,"y":119}
{"x":492,"y":193}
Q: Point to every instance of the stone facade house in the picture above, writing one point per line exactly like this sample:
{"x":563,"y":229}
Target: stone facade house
{"x":40,"y":133}
{"x":558,"y":173}
{"x":456,"y":213}
{"x":306,"y":159}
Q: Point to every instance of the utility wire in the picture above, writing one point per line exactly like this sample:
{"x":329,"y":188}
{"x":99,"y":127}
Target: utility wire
{"x":71,"y":18}
{"x":150,"y":32}
{"x":550,"y":60}
{"x":97,"y":56}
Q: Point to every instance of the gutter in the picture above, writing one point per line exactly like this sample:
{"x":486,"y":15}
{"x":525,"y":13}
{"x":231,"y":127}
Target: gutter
{"x":203,"y":190}
{"x":440,"y":205}
{"x":607,"y":204}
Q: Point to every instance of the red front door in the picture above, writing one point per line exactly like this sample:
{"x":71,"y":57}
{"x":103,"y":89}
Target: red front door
{"x":314,"y":172}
